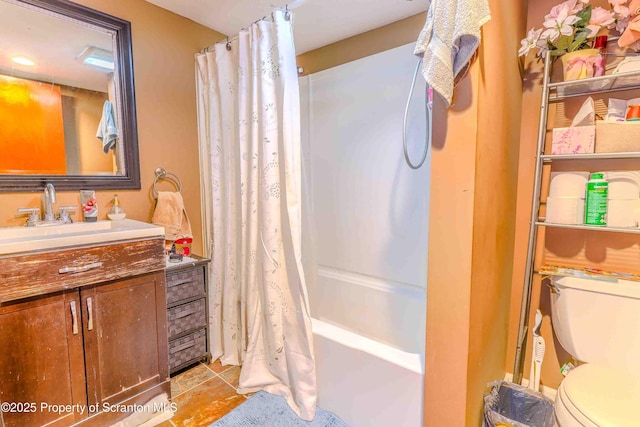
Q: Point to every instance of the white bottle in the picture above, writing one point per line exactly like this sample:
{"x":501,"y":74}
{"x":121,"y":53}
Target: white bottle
{"x":116,"y":212}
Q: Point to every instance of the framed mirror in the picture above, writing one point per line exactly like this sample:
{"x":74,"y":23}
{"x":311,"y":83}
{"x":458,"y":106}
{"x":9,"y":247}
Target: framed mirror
{"x":67,"y":104}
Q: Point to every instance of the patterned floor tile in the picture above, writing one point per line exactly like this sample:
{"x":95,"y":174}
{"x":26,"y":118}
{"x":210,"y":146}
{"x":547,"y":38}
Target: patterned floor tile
{"x":189,"y":379}
{"x":217,"y":367}
{"x":231,"y":375}
{"x":205,"y":403}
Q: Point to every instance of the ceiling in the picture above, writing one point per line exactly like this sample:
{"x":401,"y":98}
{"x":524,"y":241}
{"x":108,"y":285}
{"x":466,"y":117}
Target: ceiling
{"x":317,"y":23}
{"x":54,"y":44}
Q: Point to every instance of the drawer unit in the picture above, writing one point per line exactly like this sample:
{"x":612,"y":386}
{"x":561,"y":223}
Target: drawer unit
{"x":184,"y":284}
{"x":183,"y":351}
{"x":187,"y":312}
{"x":186,"y":317}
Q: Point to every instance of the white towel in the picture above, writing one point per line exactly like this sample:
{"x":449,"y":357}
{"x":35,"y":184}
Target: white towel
{"x":107,"y":131}
{"x":449,"y":39}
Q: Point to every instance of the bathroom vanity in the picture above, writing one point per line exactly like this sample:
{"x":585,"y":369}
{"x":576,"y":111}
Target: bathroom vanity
{"x":83,"y":323}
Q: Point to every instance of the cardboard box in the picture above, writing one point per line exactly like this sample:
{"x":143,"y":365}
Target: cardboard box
{"x":573,"y":140}
{"x":617,"y":137}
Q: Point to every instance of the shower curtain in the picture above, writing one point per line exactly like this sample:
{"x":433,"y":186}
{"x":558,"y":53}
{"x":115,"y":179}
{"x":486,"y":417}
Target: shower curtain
{"x":249,"y":121}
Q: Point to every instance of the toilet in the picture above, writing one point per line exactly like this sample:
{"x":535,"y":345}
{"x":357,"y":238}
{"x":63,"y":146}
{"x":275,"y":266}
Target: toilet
{"x":598,"y":322}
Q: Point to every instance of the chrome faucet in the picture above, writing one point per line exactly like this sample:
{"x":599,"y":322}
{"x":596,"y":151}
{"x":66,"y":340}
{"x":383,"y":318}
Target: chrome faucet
{"x":49,"y":200}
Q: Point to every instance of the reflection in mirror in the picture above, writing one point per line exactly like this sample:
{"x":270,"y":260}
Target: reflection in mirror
{"x":67,"y":112}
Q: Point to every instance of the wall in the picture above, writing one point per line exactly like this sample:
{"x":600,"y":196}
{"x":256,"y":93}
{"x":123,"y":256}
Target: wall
{"x":164,"y":45}
{"x":475,"y":147}
{"x":498,"y":146}
{"x":82,"y":109}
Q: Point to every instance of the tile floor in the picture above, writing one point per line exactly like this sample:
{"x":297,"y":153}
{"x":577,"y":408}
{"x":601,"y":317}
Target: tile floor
{"x":203,"y":394}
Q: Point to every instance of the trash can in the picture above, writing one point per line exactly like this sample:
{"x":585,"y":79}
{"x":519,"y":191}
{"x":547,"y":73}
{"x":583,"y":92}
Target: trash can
{"x":512,"y":405}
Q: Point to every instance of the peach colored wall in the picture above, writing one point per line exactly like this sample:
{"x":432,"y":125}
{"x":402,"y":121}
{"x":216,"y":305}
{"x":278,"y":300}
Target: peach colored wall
{"x":496,"y":174}
{"x":164,"y":46}
{"x":451,"y":223}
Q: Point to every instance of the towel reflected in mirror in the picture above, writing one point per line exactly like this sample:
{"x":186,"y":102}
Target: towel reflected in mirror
{"x":107,"y":130}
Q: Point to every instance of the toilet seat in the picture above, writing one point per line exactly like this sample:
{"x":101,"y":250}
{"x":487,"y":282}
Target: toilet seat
{"x":597,"y":396}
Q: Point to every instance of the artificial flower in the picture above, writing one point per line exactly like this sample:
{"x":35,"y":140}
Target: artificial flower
{"x":560,"y":25}
{"x":620,"y":8}
{"x":600,"y":18}
{"x":530,"y":41}
{"x":572,"y":24}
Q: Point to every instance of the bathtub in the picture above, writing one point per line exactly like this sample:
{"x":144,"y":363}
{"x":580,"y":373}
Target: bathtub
{"x":365,"y":382}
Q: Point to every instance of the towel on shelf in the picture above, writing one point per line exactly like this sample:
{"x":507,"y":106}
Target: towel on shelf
{"x":448,"y":41}
{"x":171,"y":214}
{"x":107,"y":131}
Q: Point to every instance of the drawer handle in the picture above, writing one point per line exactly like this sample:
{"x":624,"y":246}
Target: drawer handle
{"x":183,"y":347}
{"x":184,"y":314}
{"x":181,"y":282}
{"x":74,"y":317}
{"x":73,"y":270}
{"x":90,"y":311}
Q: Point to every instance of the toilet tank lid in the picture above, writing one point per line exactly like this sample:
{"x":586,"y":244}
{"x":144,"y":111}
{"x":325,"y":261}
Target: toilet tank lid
{"x":604,"y":395}
{"x":626,"y":288}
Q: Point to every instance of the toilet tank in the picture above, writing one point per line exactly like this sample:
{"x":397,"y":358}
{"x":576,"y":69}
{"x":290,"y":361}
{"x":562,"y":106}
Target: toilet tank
{"x":598,"y":321}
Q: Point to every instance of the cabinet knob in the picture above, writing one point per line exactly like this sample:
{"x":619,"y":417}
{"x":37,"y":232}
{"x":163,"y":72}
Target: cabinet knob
{"x":74,"y":317}
{"x":90,"y":312}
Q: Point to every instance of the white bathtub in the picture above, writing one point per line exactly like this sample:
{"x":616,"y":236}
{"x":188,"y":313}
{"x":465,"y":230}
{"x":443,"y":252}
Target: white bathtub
{"x":366,"y":383}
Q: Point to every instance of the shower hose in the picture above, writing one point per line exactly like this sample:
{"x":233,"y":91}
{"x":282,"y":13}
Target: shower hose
{"x":427,"y":107}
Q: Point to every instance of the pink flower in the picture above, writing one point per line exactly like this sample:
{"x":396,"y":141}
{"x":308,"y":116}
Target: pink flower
{"x":620,"y":7}
{"x":600,"y":18}
{"x":560,"y":25}
{"x":570,"y":6}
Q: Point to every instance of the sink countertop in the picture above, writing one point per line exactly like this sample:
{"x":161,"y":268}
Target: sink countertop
{"x":15,"y":240}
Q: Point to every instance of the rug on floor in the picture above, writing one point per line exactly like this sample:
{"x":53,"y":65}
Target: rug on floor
{"x":268,"y":410}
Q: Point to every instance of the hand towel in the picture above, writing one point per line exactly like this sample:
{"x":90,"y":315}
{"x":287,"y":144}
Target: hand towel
{"x":449,"y":39}
{"x":107,"y":131}
{"x":171,"y":214}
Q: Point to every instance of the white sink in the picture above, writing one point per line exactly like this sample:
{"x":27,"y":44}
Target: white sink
{"x":23,"y":239}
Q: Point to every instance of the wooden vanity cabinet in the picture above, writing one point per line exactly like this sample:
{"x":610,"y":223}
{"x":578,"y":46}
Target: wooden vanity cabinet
{"x":125,"y":338}
{"x":41,"y":360}
{"x":101,"y":343}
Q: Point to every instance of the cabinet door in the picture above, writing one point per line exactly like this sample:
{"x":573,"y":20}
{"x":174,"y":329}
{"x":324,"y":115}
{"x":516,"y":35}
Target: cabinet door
{"x":125,"y":337}
{"x":41,"y":361}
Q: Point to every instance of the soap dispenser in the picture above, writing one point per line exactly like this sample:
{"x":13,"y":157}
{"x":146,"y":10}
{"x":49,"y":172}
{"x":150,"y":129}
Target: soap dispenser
{"x":116,"y":212}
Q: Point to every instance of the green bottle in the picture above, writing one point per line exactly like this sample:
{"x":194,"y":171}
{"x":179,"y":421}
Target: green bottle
{"x":595,"y":209}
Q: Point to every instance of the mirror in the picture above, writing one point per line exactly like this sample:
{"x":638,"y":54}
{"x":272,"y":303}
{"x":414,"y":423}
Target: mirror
{"x":67,"y":105}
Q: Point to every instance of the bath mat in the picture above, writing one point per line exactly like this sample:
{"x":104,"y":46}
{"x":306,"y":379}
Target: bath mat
{"x":268,"y":410}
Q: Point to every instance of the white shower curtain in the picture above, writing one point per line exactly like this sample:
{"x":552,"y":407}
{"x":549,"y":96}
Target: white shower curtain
{"x":249,"y":120}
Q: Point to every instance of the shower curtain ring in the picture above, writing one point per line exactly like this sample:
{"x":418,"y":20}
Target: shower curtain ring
{"x":228,"y":44}
{"x":287,"y":15}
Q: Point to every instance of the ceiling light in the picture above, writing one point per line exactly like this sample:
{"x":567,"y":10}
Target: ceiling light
{"x":23,"y":61}
{"x":97,"y":57}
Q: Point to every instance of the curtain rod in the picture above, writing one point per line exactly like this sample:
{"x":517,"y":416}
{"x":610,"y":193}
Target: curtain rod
{"x":228,"y":40}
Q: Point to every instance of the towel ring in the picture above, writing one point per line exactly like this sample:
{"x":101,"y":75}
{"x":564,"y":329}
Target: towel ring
{"x":162,"y":174}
